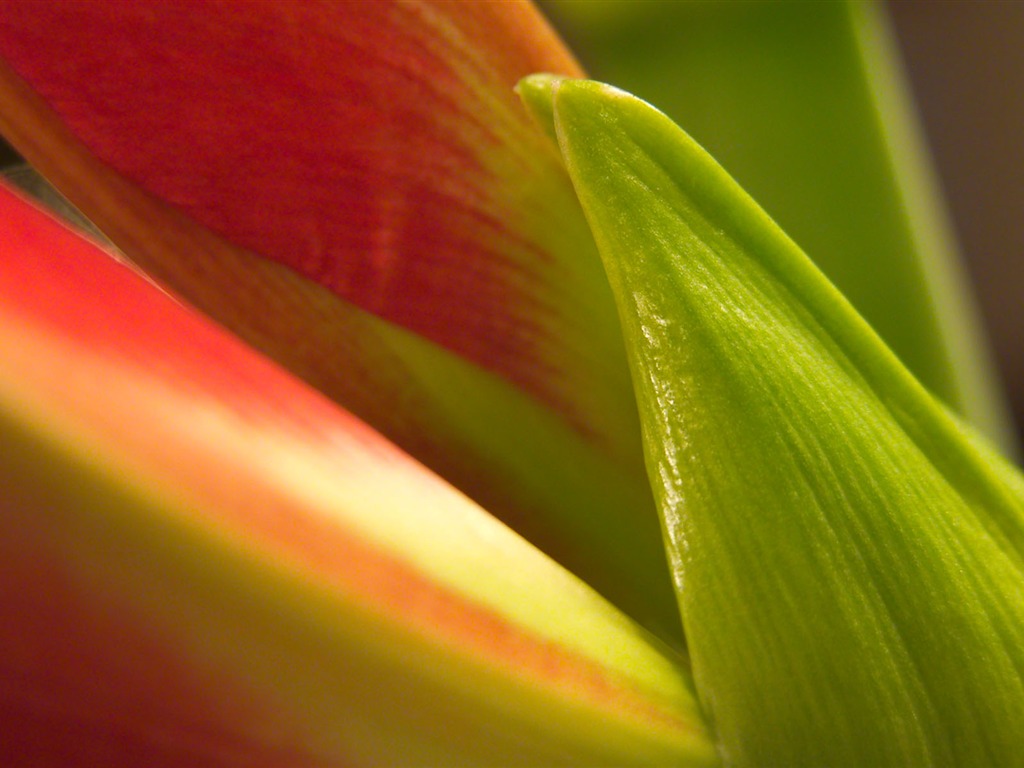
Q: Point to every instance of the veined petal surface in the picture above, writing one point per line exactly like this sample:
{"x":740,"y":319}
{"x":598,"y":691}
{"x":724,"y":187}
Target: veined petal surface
{"x":375,"y":148}
{"x":848,"y":559}
{"x":207,"y":562}
{"x":355,"y":190}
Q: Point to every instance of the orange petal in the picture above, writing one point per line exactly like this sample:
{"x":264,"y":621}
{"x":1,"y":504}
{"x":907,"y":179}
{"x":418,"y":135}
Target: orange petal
{"x":206,"y":561}
{"x":274,"y":162}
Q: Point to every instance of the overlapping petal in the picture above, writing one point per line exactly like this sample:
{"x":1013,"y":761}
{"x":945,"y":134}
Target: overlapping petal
{"x":849,"y":558}
{"x":354,"y":189}
{"x":207,"y":562}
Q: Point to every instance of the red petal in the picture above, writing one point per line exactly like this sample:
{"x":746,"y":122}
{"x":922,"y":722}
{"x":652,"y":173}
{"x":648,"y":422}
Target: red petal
{"x":378,"y":150}
{"x":283,"y":577}
{"x":375,"y":148}
{"x":84,"y":682}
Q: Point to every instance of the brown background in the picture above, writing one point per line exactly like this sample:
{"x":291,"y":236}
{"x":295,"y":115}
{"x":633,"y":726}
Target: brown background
{"x":966,"y":65}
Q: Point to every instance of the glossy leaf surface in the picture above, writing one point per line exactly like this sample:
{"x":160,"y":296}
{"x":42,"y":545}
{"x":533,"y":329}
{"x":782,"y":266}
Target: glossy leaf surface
{"x":848,"y":560}
{"x":207,"y":562}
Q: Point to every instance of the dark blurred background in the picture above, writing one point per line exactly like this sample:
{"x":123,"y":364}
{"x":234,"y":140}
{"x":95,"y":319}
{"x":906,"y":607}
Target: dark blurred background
{"x":965,"y":61}
{"x":7,"y":155}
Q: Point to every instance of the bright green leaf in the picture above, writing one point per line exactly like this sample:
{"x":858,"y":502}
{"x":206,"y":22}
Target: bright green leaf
{"x":848,"y":559}
{"x":805,"y":104}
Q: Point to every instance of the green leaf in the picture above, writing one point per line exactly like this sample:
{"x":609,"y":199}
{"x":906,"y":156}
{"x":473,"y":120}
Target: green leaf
{"x":848,"y":557}
{"x":805,"y":104}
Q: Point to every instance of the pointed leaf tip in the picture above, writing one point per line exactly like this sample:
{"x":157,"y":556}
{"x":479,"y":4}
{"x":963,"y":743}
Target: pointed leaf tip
{"x":537,"y":93}
{"x":849,"y":565}
{"x":804,"y":102}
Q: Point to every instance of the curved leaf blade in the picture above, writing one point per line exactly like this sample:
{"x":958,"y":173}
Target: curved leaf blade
{"x":849,"y":562}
